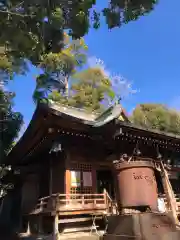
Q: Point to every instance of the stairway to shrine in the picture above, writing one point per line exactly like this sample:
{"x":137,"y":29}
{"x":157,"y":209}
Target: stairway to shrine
{"x":177,"y":197}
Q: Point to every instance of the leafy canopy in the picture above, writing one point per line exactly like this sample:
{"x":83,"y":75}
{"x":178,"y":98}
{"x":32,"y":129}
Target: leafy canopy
{"x":58,"y":67}
{"x":65,"y":82}
{"x":32,"y":28}
{"x":10,"y":123}
{"x":89,"y":90}
{"x":157,"y":116}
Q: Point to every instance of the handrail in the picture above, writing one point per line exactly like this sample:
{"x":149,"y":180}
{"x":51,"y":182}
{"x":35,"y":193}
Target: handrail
{"x":72,"y":194}
{"x":79,"y":202}
{"x":111,"y":201}
{"x":177,"y":195}
{"x":77,"y":194}
{"x":89,"y":200}
{"x":169,"y":193}
{"x":177,"y":198}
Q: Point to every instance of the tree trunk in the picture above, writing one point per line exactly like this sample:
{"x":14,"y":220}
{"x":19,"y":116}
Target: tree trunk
{"x":66,"y":86}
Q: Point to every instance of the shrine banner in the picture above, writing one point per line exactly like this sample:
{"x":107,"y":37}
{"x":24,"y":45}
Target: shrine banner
{"x":87,"y":179}
{"x":75,"y":179}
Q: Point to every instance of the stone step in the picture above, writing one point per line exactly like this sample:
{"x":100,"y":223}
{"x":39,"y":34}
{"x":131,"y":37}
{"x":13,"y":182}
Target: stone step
{"x":78,"y":236}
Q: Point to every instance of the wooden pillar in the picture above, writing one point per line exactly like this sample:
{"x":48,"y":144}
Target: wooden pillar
{"x":56,"y":227}
{"x":40,"y":224}
{"x":115,"y":184}
{"x":28,"y":232}
{"x":94,"y":180}
{"x":50,"y":178}
{"x":105,"y":199}
{"x":67,"y":181}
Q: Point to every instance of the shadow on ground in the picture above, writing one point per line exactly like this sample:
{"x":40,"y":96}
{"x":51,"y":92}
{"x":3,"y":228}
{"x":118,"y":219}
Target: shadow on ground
{"x":78,"y":236}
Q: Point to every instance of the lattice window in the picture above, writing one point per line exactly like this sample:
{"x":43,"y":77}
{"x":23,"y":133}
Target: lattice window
{"x":81,"y":167}
{"x":87,"y":190}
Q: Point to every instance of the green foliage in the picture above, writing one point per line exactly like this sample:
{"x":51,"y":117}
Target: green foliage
{"x":122,"y":11}
{"x":89,"y":89}
{"x":157,"y":116}
{"x":9,"y":66}
{"x":4,"y":184}
{"x":64,"y":82}
{"x":58,"y":67}
{"x":34,"y":28}
{"x":10,"y":123}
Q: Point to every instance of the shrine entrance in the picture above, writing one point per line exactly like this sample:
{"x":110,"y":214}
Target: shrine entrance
{"x":105,"y":181}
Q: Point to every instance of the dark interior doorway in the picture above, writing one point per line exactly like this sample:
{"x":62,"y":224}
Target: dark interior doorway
{"x":105,"y":181}
{"x":159,"y":182}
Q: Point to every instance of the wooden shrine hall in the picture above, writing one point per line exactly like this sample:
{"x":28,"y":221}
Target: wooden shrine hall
{"x":64,"y":161}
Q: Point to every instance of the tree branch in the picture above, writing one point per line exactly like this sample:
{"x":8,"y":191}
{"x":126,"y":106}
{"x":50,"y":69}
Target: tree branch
{"x":17,"y":14}
{"x":18,"y":5}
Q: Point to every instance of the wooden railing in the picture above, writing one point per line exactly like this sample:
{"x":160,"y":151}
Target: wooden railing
{"x":67,"y":204}
{"x":112,"y":205}
{"x":177,"y":198}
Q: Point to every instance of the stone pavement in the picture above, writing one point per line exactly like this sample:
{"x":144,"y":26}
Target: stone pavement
{"x":74,"y":236}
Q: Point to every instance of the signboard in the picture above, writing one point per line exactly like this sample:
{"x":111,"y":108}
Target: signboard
{"x":87,"y":179}
{"x":75,"y":179}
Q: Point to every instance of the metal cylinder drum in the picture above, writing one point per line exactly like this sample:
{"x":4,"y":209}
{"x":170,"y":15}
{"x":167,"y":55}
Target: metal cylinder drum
{"x":136,"y":185}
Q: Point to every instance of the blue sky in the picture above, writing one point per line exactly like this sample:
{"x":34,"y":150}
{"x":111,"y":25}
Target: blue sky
{"x":146,"y":52}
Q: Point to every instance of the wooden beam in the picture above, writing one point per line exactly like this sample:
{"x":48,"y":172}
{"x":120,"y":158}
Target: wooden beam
{"x":94,"y":180}
{"x":67,"y":181}
{"x":40,"y":224}
{"x":72,"y":220}
{"x":51,"y":178}
{"x":56,"y":227}
{"x":169,"y":193}
{"x":28,"y":231}
{"x":80,"y":212}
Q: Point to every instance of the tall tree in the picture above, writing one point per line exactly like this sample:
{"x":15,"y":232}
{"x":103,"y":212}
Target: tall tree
{"x":89,"y":90}
{"x":58,"y":67}
{"x":9,"y":66}
{"x":32,"y":28}
{"x":157,"y":116}
{"x":10,"y":123}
